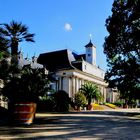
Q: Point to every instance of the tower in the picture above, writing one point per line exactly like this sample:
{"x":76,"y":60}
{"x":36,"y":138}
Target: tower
{"x":90,"y":53}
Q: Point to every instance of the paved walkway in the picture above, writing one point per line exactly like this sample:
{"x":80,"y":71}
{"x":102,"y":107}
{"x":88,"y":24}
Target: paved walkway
{"x":94,"y":125}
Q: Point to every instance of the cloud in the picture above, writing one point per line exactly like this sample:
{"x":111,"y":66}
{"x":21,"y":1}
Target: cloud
{"x":68,"y":27}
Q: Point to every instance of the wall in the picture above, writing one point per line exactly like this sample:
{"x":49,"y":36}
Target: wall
{"x":94,"y":70}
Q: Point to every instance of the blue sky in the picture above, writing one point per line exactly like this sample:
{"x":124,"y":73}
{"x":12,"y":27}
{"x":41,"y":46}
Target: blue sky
{"x":60,"y":24}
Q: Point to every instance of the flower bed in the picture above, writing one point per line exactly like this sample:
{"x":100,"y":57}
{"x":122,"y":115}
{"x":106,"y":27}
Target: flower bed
{"x":97,"y":107}
{"x":111,"y":105}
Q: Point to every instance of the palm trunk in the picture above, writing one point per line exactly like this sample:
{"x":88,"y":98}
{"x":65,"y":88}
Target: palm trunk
{"x":89,"y":106}
{"x":89,"y":101}
{"x":14,"y":57}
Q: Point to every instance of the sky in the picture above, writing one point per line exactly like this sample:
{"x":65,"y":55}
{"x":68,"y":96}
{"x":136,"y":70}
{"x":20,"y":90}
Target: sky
{"x":60,"y":24}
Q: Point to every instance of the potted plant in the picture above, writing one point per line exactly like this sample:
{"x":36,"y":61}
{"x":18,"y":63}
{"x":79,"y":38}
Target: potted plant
{"x":79,"y":100}
{"x":23,"y":93}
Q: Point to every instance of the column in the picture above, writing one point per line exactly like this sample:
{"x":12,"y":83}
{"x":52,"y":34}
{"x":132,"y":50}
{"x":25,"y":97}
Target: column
{"x":104,"y":93}
{"x":59,"y":83}
{"x":73,"y":86}
{"x":80,"y":83}
{"x":76,"y":84}
{"x":66,"y":84}
{"x":70,"y":86}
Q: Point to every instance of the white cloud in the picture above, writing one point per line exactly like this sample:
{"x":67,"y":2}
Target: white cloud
{"x":67,"y":27}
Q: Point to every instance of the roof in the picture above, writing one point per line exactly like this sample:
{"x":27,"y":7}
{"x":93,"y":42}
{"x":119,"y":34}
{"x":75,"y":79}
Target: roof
{"x":89,"y":44}
{"x":25,"y":61}
{"x":35,"y":65}
{"x":57,"y":60}
{"x":62,"y":59}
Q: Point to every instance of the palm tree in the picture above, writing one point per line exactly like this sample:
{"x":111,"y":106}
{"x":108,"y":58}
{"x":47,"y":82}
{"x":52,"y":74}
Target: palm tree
{"x":91,"y":91}
{"x":15,"y":33}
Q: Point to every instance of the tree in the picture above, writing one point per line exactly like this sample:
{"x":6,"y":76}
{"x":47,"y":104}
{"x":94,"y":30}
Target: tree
{"x":28,"y":86}
{"x":4,"y":55}
{"x":90,"y":91}
{"x":122,"y":48}
{"x":15,"y":33}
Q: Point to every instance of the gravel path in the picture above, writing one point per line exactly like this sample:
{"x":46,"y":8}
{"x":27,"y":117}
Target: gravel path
{"x":93,"y":125}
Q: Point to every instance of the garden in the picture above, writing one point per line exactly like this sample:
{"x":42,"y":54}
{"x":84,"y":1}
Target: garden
{"x":26,"y":89}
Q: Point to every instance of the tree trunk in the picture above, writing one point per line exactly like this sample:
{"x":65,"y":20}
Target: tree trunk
{"x":14,"y":57}
{"x":14,"y":47}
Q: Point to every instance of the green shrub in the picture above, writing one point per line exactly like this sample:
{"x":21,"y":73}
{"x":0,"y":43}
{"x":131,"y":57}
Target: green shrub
{"x":80,"y":100}
{"x":118,"y":103}
{"x":62,"y":101}
{"x":28,"y":86}
{"x":46,"y":104}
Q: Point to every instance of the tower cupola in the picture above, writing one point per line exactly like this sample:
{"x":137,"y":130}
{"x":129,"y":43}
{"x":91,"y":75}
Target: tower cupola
{"x":90,"y":53}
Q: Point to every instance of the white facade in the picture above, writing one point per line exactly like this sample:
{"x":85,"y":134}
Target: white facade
{"x":71,"y":81}
{"x":92,"y":69}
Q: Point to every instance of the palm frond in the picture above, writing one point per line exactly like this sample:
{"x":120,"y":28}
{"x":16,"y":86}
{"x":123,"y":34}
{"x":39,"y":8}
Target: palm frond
{"x":3,"y":32}
{"x":29,"y":37}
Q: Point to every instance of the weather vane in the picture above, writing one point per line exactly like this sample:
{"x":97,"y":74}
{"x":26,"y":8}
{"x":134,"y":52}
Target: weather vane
{"x":90,"y":35}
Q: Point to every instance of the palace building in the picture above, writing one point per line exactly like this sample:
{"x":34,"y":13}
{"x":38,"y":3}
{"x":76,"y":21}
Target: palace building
{"x":70,"y":70}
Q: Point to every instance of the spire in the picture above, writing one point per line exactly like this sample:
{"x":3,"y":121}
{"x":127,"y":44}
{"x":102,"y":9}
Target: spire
{"x":89,"y":44}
